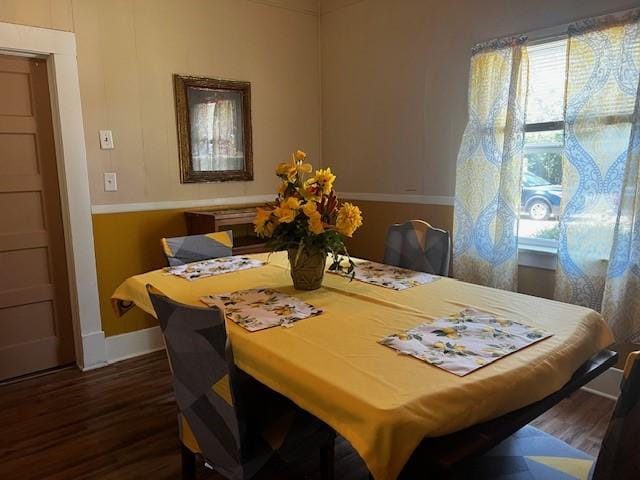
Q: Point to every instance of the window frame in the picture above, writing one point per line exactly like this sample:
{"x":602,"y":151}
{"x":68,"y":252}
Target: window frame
{"x":528,"y":245}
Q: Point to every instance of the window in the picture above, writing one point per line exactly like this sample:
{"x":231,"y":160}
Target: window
{"x":544,"y":141}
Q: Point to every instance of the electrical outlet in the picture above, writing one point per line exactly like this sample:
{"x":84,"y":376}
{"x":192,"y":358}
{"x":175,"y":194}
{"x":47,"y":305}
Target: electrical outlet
{"x":106,"y":140}
{"x":110,"y":182}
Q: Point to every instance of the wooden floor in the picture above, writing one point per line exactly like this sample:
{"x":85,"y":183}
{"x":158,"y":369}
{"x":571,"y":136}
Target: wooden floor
{"x":119,"y":422}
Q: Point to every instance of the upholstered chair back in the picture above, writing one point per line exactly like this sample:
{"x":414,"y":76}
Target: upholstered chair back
{"x":194,"y":248}
{"x":207,"y":388}
{"x":619,"y":456}
{"x":236,"y":423}
{"x":418,"y":246}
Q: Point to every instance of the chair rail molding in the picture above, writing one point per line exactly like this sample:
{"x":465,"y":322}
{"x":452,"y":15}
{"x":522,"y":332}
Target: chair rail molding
{"x":177,"y":204}
{"x":59,"y":50}
{"x":399,"y":198}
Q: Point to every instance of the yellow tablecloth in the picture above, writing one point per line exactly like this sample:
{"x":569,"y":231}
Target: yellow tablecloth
{"x":382,"y":402}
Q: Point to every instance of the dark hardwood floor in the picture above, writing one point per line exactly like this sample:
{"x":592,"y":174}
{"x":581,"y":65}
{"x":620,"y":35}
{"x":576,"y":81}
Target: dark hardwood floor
{"x":119,"y":422}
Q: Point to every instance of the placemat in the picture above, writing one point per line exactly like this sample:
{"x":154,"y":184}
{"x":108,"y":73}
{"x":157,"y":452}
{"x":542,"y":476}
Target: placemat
{"x":464,"y":342}
{"x":388,"y":276}
{"x":214,"y":266}
{"x":260,"y":308}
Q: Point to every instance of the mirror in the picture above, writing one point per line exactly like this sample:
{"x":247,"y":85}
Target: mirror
{"x":214,"y":129}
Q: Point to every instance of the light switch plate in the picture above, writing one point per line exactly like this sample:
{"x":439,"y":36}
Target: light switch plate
{"x":106,"y":140}
{"x":110,"y":182}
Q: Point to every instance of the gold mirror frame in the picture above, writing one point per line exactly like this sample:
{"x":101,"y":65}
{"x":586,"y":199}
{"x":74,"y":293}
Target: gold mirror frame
{"x":187,"y":173}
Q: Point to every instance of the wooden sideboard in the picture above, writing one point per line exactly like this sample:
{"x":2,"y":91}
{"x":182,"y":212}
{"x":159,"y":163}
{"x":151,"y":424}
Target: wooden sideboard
{"x":239,"y":220}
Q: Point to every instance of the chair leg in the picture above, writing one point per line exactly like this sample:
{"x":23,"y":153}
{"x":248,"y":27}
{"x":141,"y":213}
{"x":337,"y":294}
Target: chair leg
{"x":327,"y":459}
{"x":188,"y":463}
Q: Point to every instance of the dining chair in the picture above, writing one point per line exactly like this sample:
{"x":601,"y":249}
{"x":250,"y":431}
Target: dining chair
{"x":418,"y":246}
{"x":226,"y":417}
{"x":193,"y":248}
{"x":534,"y":455}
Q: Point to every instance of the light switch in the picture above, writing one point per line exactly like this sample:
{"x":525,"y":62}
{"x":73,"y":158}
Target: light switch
{"x":110,"y":182}
{"x":106,"y":140}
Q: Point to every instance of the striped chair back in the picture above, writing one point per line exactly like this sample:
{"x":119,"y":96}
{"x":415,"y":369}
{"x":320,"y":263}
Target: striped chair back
{"x":619,"y":456}
{"x":194,"y":248}
{"x":418,"y":246}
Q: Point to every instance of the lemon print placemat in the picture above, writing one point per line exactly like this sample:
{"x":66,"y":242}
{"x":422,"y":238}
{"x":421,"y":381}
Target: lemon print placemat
{"x":387,"y":276}
{"x":465,"y":341}
{"x":260,"y":308}
{"x":214,"y":266}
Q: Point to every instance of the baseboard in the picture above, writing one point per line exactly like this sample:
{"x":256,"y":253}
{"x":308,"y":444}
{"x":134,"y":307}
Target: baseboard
{"x":133,"y":344}
{"x":93,"y":351}
{"x":606,"y":385}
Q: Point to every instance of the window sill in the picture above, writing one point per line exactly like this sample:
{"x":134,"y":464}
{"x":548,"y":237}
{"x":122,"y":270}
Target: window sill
{"x":537,"y":256}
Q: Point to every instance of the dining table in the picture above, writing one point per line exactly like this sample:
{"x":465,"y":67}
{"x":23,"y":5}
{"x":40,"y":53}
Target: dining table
{"x":384,"y":403}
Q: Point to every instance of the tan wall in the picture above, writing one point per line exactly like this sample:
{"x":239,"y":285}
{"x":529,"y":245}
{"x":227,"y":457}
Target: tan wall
{"x":394,"y":82}
{"x":55,"y":14}
{"x":127,"y":53}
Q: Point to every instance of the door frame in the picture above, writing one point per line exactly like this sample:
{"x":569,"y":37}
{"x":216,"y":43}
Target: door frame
{"x":59,"y":50}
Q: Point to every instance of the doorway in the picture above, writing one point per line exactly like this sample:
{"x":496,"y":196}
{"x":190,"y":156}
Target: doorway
{"x":36,"y":326}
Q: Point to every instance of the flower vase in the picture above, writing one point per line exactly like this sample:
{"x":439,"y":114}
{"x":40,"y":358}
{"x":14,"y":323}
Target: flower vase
{"x":307,"y":270}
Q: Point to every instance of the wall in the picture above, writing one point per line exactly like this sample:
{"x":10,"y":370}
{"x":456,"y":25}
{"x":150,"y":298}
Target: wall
{"x":128,"y":244}
{"x":128,"y":51}
{"x":394,"y":82}
{"x":394,"y":103}
{"x":54,"y":14}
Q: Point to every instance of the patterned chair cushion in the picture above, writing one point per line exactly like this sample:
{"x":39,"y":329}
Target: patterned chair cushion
{"x":235,"y":422}
{"x":418,"y":246}
{"x":194,"y":248}
{"x":529,"y":454}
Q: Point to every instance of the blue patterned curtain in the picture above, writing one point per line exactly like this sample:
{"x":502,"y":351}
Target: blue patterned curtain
{"x":489,"y":166}
{"x":598,"y":249}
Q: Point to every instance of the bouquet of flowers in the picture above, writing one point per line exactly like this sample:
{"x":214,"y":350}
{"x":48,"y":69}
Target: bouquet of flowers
{"x":307,"y":218}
